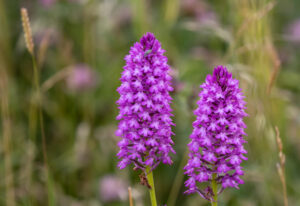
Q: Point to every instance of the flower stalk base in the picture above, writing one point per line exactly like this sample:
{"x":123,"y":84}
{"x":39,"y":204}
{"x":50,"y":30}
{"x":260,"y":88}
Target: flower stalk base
{"x":152,"y":189}
{"x":214,"y":201}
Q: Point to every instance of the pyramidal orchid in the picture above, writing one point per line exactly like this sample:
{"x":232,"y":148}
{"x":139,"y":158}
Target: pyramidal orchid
{"x":216,"y":148}
{"x":144,"y":104}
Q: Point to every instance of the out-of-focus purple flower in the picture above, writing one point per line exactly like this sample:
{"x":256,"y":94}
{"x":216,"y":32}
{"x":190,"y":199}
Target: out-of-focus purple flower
{"x":193,"y":7}
{"x":145,"y":123}
{"x":199,"y":10}
{"x":294,"y":31}
{"x":112,"y":188}
{"x":217,"y":139}
{"x":81,"y":77}
{"x":47,"y":3}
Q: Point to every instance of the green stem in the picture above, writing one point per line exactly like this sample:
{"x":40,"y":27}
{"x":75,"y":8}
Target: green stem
{"x":214,"y":186}
{"x":39,"y":99}
{"x":151,"y":183}
{"x":51,"y":198}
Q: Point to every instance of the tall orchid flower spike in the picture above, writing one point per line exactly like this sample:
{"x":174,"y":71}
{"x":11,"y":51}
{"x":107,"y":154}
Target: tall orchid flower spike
{"x":216,"y":148}
{"x":144,"y":104}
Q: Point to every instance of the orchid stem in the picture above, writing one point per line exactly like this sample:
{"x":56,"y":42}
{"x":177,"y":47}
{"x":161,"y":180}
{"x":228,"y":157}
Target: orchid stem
{"x":152,"y":189}
{"x":214,"y":201}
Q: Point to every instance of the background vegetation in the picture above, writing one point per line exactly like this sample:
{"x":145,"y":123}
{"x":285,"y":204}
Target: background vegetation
{"x":80,"y":46}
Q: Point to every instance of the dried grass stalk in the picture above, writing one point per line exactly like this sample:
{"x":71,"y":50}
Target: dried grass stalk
{"x":130,"y":196}
{"x":280,"y":165}
{"x":27,"y":30}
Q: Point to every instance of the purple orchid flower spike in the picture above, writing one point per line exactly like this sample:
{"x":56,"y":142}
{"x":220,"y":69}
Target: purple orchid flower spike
{"x":216,"y":148}
{"x":145,"y":112}
{"x":145,"y":123}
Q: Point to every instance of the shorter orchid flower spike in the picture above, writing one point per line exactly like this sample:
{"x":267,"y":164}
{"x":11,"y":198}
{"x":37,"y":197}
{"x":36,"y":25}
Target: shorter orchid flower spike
{"x":216,"y":149}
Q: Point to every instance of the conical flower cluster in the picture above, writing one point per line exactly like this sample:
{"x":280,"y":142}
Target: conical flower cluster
{"x":216,"y":148}
{"x":144,"y":104}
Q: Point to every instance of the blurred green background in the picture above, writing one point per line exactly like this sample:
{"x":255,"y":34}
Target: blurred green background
{"x":80,"y":46}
